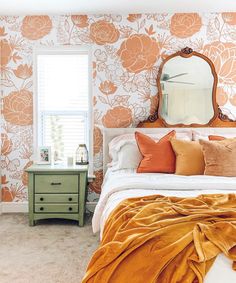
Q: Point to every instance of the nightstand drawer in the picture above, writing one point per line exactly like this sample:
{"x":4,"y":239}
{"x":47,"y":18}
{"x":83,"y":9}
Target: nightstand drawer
{"x":56,"y":208}
{"x":56,"y":184}
{"x":56,"y":198}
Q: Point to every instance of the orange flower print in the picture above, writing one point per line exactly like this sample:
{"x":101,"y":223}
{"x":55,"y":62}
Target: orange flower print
{"x":221,"y":96}
{"x":223,"y":56}
{"x":185,"y":24}
{"x":24,"y":176}
{"x":2,"y":31}
{"x":6,"y":52}
{"x":117,"y":117}
{"x":97,"y":140}
{"x":7,"y":195}
{"x":138,"y":53}
{"x":81,"y":21}
{"x":23,"y":72}
{"x":4,"y":180}
{"x":36,"y":27}
{"x":102,"y":32}
{"x":134,"y":17}
{"x":18,"y":108}
{"x":96,"y":185}
{"x":107,"y":87}
{"x":229,"y":18}
{"x":154,"y":104}
{"x":6,"y":144}
{"x":94,"y":100}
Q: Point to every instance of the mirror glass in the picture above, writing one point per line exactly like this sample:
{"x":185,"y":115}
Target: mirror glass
{"x":186,"y":85}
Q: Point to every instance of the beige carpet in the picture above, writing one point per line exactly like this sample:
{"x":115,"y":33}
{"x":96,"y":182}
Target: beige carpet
{"x":55,"y":251}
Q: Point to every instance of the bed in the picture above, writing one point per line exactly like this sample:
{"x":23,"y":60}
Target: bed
{"x":123,"y":184}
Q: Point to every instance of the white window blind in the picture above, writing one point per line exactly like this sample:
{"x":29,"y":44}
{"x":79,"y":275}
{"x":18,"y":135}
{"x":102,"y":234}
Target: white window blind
{"x":62,"y":101}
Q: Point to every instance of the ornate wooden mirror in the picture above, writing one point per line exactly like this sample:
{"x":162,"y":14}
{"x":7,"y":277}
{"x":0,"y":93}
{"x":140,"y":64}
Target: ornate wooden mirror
{"x":187,"y":83}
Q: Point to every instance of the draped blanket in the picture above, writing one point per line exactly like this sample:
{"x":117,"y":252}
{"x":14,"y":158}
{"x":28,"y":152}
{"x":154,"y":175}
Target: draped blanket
{"x":159,"y":239}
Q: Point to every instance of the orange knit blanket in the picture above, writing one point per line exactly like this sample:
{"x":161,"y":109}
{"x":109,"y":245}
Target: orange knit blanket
{"x":159,"y":239}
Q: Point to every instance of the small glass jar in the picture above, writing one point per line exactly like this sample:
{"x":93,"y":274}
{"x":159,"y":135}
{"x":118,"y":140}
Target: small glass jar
{"x":82,"y":155}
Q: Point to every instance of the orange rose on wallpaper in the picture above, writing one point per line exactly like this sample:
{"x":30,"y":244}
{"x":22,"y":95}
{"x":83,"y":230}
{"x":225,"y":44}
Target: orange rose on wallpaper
{"x":102,"y":32}
{"x":107,"y":87}
{"x":138,"y":53}
{"x":134,"y":17}
{"x":221,"y":96}
{"x":223,"y":55}
{"x":23,"y":72}
{"x":185,"y":24}
{"x":81,"y":21}
{"x":97,"y":140}
{"x":18,"y":108}
{"x":117,"y":117}
{"x":6,"y":144}
{"x":95,"y":186}
{"x":6,"y":52}
{"x":36,"y":27}
{"x":4,"y":180}
{"x":7,"y":195}
{"x":229,"y":18}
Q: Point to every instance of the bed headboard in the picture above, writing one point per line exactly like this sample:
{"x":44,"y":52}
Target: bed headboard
{"x":110,"y":133}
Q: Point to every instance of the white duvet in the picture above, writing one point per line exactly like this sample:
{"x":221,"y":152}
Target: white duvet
{"x":123,"y":184}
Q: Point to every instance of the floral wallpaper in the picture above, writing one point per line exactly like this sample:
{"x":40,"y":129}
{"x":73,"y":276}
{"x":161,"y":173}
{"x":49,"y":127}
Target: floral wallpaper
{"x":126,"y":53}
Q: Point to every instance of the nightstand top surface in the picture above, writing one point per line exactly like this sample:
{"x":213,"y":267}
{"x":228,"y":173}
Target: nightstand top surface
{"x":57,"y":168}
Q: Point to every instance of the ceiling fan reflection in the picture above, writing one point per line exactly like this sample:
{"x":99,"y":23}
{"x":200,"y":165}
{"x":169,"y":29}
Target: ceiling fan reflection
{"x":166,"y":78}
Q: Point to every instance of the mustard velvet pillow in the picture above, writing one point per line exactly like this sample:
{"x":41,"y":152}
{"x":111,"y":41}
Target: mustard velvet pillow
{"x":220,"y":157}
{"x":189,"y":157}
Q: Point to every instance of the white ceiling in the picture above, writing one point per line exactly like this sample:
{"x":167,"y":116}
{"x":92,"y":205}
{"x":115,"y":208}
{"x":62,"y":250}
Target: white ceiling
{"x":22,"y":7}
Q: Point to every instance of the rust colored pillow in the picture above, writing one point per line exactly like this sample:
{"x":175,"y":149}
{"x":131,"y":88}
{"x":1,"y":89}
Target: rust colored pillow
{"x":189,"y":157}
{"x":220,"y":157}
{"x":158,"y":157}
{"x":215,"y":138}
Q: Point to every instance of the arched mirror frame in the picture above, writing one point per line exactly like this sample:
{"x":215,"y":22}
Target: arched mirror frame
{"x":188,"y":53}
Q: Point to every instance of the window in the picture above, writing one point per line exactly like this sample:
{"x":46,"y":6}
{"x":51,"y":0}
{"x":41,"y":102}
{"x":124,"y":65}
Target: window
{"x":62,"y":104}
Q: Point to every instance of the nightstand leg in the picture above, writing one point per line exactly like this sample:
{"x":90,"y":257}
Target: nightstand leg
{"x":31,"y":199}
{"x":31,"y":222}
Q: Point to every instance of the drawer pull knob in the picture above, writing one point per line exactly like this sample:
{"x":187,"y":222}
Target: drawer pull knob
{"x":41,"y":208}
{"x":70,"y":199}
{"x":41,"y":199}
{"x":55,"y":184}
{"x":70,"y":208}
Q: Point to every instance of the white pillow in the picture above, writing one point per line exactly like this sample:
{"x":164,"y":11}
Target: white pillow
{"x":129,"y":157}
{"x":125,"y":154}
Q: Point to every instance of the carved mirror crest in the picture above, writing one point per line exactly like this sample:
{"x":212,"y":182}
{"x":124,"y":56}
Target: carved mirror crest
{"x":187,"y":83}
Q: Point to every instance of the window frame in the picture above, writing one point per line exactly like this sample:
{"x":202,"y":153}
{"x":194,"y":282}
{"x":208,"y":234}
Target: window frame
{"x":60,"y":50}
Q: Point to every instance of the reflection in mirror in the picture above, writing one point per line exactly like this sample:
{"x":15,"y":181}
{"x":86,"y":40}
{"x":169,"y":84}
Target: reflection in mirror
{"x":186,"y":85}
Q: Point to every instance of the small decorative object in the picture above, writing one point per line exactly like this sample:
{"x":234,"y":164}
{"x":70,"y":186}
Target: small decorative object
{"x":56,"y":158}
{"x":70,"y":161}
{"x":82,"y":155}
{"x":44,"y":155}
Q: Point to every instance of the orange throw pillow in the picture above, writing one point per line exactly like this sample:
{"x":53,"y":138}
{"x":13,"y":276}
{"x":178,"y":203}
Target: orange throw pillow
{"x":215,"y":138}
{"x":220,"y":157}
{"x":158,"y":157}
{"x":189,"y":157}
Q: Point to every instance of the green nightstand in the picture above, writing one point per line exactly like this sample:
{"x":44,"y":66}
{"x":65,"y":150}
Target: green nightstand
{"x":57,"y":191}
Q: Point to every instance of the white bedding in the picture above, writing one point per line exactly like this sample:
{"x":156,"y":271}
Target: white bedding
{"x":125,"y":184}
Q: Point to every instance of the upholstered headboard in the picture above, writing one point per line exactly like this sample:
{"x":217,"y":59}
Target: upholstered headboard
{"x":110,"y":133}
